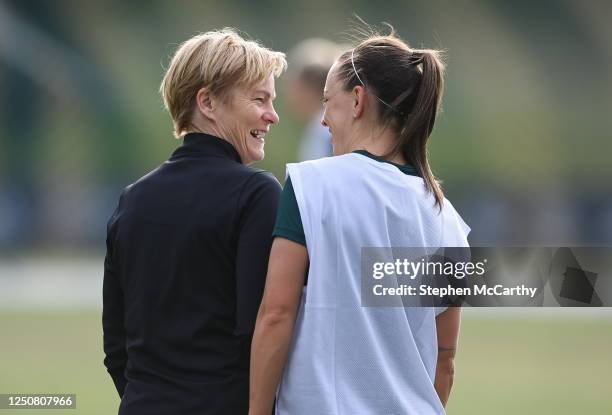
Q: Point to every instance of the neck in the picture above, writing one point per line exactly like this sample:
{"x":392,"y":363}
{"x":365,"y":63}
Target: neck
{"x":379,"y":142}
{"x":197,"y":126}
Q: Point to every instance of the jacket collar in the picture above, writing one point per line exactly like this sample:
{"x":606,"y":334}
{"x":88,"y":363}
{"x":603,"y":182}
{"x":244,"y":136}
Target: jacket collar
{"x":208,"y":145}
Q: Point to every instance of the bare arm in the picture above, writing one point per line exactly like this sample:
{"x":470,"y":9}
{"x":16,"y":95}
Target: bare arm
{"x":275,"y":321}
{"x":447,"y":327}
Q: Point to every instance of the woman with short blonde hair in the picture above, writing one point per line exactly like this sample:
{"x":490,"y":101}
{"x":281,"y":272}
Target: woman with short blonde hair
{"x":188,"y":245}
{"x":217,"y":61}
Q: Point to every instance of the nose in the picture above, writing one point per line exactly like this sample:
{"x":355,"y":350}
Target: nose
{"x":271,"y":116}
{"x":323,"y":122}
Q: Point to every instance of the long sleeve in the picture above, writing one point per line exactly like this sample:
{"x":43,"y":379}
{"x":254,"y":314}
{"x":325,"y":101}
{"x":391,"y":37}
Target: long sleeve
{"x":113,"y":323}
{"x":259,"y":203}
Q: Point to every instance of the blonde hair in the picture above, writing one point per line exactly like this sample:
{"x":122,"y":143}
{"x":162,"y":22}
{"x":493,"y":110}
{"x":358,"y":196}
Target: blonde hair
{"x":218,"y":61}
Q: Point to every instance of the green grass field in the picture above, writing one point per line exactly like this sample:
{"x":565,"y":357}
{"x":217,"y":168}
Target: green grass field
{"x":505,"y":365}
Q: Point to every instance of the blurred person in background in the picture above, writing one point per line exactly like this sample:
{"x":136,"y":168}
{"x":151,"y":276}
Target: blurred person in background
{"x":309,"y":62}
{"x":316,"y":346}
{"x":188,"y":245}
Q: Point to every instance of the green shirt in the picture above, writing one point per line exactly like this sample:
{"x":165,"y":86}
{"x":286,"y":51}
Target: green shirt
{"x":288,"y":221}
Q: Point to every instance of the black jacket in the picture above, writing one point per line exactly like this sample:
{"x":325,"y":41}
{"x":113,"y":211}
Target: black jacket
{"x":187,"y":254}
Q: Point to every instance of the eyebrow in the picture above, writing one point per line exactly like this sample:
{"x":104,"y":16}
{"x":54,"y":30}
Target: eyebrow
{"x":266,"y":93}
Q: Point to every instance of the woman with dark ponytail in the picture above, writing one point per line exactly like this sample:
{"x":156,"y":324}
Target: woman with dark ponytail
{"x":315,"y":346}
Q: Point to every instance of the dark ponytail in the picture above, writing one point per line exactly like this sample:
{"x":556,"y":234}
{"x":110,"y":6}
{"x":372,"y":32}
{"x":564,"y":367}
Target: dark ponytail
{"x":408,"y":84}
{"x":419,"y":123}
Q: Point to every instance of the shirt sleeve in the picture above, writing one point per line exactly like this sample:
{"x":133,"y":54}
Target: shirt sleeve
{"x":258,"y":205}
{"x":113,"y":324}
{"x":288,"y":219}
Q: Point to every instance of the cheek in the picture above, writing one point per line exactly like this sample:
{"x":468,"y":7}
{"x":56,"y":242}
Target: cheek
{"x":245,"y":125}
{"x":253,"y":118}
{"x":330,"y":116}
{"x":339,"y":120}
{"x":340,"y":111}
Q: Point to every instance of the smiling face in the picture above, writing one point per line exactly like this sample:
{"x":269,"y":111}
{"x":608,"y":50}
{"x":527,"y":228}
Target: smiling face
{"x":244,"y":118}
{"x":338,"y":112}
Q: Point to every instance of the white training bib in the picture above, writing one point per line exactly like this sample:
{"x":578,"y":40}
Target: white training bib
{"x":346,"y":359}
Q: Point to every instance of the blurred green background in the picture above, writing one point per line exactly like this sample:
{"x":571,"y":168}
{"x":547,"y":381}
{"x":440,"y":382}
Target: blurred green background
{"x":523,"y":147}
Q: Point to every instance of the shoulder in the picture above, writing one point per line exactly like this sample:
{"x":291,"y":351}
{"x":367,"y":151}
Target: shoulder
{"x":261,"y":179}
{"x":332,"y":172}
{"x":143,"y":181}
{"x":313,"y":179}
{"x":260,"y":187}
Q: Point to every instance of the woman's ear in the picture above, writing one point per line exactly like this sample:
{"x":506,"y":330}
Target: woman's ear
{"x":359,"y":97}
{"x":206,"y":103}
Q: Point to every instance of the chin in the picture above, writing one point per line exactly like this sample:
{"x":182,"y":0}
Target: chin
{"x":256,"y":156}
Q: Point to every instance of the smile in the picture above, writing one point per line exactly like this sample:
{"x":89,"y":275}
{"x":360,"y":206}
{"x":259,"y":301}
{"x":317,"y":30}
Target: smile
{"x":258,"y":134}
